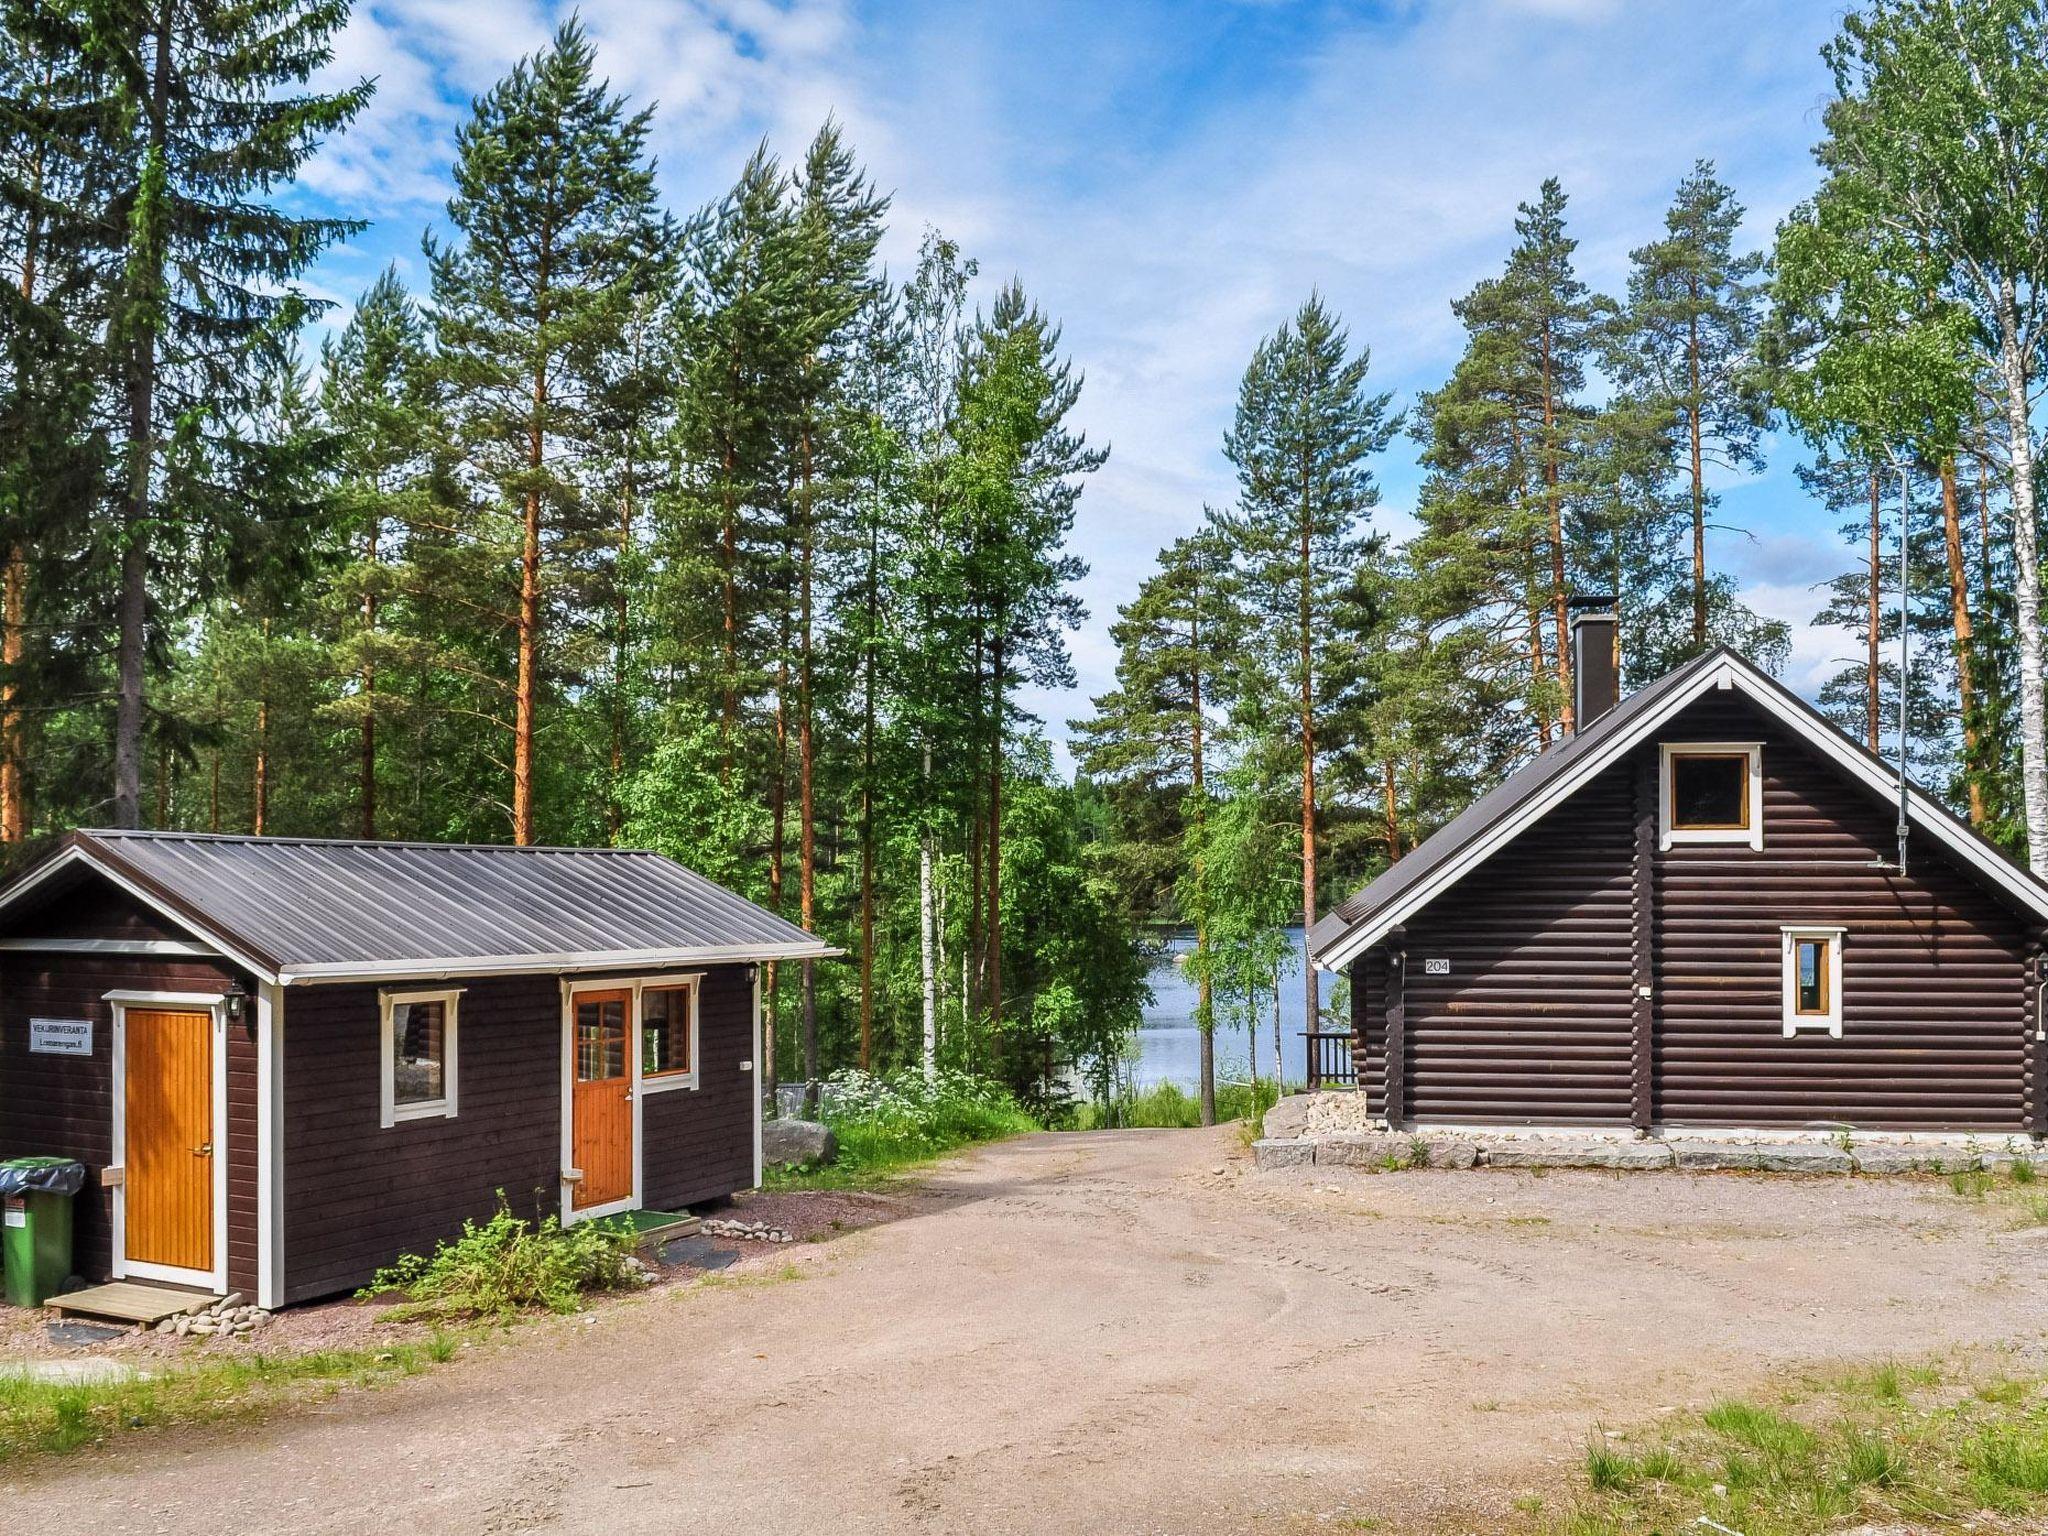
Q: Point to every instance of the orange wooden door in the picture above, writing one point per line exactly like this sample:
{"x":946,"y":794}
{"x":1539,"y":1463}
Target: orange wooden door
{"x":601,"y":1138}
{"x":168,"y":1139}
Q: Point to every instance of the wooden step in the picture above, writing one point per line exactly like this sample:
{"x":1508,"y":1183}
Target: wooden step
{"x":131,"y":1301}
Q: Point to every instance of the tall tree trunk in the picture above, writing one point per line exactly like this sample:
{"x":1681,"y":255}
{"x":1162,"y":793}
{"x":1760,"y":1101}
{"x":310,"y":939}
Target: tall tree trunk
{"x":867,"y":805}
{"x":1873,"y":672}
{"x":1305,"y":659}
{"x":806,"y":762}
{"x":1560,"y":606}
{"x":1205,"y":1000}
{"x":13,"y":769}
{"x":1390,"y":810}
{"x":2013,"y":376}
{"x":528,"y":685}
{"x":995,"y":832}
{"x":729,"y":588}
{"x":928,"y":929}
{"x":1538,"y":664}
{"x":1965,"y":647}
{"x":261,"y":776}
{"x":1699,"y":478}
{"x":139,"y":384}
{"x":366,"y":791}
{"x":778,"y":813}
{"x":615,"y":812}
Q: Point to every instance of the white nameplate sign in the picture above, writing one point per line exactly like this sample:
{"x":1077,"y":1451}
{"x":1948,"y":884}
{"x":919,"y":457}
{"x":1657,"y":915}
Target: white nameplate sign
{"x":60,"y":1037}
{"x":1436,"y":967}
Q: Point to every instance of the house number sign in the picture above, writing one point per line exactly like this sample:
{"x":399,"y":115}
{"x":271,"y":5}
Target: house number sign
{"x":60,"y":1037}
{"x":1436,"y":967}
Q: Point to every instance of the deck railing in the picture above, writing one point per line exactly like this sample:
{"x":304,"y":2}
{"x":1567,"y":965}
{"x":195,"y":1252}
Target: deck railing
{"x":1329,"y":1059}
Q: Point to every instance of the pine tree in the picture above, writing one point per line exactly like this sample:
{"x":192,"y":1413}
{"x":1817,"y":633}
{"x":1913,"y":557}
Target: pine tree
{"x":1683,"y":349}
{"x":1305,"y":432}
{"x":556,"y":225}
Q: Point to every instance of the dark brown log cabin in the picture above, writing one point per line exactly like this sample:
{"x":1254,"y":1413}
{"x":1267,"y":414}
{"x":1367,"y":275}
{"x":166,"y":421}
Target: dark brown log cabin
{"x":1691,"y":914}
{"x":285,"y":1062}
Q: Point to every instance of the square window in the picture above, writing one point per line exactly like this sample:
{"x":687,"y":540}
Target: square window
{"x":666,"y":1016}
{"x":1712,"y":793}
{"x":601,"y":1036}
{"x":418,"y":1050}
{"x":1709,"y":793}
{"x":1813,"y":980}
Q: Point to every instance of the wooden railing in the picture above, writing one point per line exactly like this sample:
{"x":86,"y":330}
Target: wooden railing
{"x":1329,"y":1059}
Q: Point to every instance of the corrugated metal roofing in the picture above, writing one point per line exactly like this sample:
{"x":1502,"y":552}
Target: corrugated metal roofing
{"x":310,"y":908}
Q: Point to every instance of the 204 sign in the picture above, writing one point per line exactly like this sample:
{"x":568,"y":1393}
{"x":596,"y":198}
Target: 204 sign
{"x":1436,"y":967}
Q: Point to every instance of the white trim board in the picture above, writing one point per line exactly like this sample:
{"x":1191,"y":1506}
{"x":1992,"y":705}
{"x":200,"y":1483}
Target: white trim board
{"x":639,"y":1085}
{"x":76,"y":854}
{"x":212,"y":1004}
{"x":269,"y":1006}
{"x":111,"y":947}
{"x":437,"y":967}
{"x":1728,"y":672}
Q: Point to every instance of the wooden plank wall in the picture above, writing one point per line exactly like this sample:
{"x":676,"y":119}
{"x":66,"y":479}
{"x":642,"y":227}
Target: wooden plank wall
{"x":1933,"y":988}
{"x":700,"y":1143}
{"x":1540,"y":1020}
{"x":358,"y":1195}
{"x":1533,"y":1023}
{"x":62,"y":1106}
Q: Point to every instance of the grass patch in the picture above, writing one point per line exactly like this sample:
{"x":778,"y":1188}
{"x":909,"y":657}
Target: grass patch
{"x":40,"y":1418}
{"x":1884,"y":1444}
{"x":888,"y":1126}
{"x":1168,"y":1106}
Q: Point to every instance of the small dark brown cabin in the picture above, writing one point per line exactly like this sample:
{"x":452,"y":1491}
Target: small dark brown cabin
{"x":1691,"y":914}
{"x":285,"y":1062}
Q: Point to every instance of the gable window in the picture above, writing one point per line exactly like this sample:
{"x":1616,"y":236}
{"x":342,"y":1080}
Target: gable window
{"x":668,"y":1034}
{"x":1812,"y":959}
{"x":1713,"y":793}
{"x":418,"y":1051}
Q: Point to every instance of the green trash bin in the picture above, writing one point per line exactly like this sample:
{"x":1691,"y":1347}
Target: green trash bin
{"x":35,"y":1226}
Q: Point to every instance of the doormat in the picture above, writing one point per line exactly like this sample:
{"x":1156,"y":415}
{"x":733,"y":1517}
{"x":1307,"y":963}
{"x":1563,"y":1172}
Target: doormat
{"x":698,"y":1253}
{"x":82,"y":1333}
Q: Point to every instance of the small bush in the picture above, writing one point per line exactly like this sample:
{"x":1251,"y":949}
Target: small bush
{"x":892,"y":1122}
{"x":1606,"y":1468}
{"x":507,"y":1266}
{"x":2023,"y":1171}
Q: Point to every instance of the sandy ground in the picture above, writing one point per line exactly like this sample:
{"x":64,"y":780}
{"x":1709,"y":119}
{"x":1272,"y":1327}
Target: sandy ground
{"x":1125,"y":1331}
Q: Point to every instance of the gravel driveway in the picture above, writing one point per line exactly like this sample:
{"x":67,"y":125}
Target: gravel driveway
{"x":1124,"y":1331}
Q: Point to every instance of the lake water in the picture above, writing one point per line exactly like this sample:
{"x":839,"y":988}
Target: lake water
{"x":1170,"y":1047}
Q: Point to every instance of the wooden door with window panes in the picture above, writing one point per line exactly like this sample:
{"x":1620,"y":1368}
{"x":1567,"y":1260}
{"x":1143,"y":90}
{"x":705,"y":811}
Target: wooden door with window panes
{"x":601,"y":1109}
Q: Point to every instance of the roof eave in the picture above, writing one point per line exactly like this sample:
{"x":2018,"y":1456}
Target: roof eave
{"x":437,"y":966}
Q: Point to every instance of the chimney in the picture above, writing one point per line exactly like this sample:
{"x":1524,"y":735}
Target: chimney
{"x":1596,"y":657}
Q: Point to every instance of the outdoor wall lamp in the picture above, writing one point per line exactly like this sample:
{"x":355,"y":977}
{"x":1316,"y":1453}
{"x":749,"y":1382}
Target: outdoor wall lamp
{"x":235,"y":1001}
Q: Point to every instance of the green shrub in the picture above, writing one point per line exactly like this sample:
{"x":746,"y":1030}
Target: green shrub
{"x":1168,"y":1106}
{"x":893,"y":1122}
{"x":507,"y":1266}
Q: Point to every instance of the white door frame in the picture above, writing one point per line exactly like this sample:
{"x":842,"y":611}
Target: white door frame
{"x":212,"y":1004}
{"x":637,"y":1084}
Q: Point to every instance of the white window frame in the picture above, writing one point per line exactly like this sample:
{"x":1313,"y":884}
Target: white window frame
{"x":1669,"y":836}
{"x":663,"y":1082}
{"x":639,"y":1083}
{"x":1789,"y":939}
{"x":390,"y":1111}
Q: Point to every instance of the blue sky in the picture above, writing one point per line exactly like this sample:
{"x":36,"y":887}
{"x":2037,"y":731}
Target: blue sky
{"x":1171,"y":179}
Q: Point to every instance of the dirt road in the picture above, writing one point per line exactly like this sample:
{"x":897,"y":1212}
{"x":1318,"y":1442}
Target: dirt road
{"x":1107,"y":1333}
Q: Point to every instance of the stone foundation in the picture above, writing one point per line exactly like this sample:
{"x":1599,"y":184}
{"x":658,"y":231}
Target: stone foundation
{"x":1332,"y":1130}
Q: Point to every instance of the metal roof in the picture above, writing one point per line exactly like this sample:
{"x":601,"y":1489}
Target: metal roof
{"x":1557,"y":770}
{"x":306,"y":909}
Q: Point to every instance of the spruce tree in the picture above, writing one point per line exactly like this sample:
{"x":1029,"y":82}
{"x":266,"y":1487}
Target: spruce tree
{"x":382,"y":402}
{"x":205,"y":115}
{"x":556,"y":227}
{"x":1305,"y":433}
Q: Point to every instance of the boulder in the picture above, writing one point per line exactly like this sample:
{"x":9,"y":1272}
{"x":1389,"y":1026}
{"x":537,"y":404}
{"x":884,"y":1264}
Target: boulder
{"x":1288,"y":1118}
{"x":1276,"y":1153}
{"x":797,"y":1143}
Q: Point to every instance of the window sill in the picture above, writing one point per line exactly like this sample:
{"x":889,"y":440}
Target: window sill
{"x":1736,"y":837}
{"x":666,"y":1082}
{"x":1829,"y":1027}
{"x":439,"y":1109}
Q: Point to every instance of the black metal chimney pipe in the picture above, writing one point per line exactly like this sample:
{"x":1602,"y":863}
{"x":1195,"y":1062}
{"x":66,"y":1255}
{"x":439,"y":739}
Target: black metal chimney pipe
{"x":1596,"y":657}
